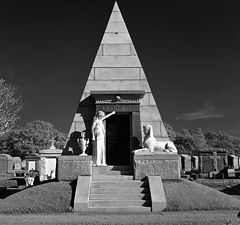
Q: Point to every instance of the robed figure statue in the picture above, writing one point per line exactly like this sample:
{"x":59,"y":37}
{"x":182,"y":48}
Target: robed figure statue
{"x":98,"y":137}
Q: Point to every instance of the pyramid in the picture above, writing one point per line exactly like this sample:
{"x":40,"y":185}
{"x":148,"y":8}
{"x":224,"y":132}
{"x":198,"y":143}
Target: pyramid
{"x":117,"y":68}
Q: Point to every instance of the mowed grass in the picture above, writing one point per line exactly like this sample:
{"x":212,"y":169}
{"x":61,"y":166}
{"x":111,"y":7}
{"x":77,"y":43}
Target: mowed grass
{"x":53,"y":197}
{"x":166,"y":218}
{"x":188,"y":196}
{"x":56,"y":197}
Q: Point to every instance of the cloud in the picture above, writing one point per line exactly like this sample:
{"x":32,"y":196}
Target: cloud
{"x":207,"y":111}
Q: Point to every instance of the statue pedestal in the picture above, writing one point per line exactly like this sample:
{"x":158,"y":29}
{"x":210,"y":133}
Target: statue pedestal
{"x":71,"y":167}
{"x":164,"y":164}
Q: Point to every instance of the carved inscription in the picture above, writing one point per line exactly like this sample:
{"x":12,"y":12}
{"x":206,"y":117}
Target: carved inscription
{"x":117,"y":108}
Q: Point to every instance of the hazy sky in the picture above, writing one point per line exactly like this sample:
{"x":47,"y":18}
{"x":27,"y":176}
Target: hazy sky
{"x":190,"y":51}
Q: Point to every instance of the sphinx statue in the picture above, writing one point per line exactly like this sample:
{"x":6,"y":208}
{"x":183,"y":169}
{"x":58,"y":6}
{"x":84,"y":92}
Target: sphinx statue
{"x":151,"y":144}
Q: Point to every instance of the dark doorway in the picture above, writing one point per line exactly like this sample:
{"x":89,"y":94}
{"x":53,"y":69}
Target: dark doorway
{"x":118,"y":139}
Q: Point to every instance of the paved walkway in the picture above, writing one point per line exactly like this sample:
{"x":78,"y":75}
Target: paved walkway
{"x":167,"y":218}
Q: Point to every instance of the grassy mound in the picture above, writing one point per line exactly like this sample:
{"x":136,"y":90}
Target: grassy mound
{"x":51,"y":197}
{"x":187,"y":196}
{"x":55,"y":197}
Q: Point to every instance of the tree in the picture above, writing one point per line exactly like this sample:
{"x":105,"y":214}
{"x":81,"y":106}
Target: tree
{"x":31,"y":138}
{"x":219,"y":139}
{"x":184,"y":142}
{"x":10,"y":106}
{"x":199,"y":139}
{"x":170,"y":131}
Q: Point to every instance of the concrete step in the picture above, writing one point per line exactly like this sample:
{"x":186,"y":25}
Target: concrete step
{"x":111,"y":177}
{"x":119,"y":167}
{"x":112,"y":170}
{"x":122,"y":190}
{"x":120,"y":172}
{"x":114,"y":203}
{"x":119,"y":197}
{"x":118,"y":210}
{"x":117,"y":184}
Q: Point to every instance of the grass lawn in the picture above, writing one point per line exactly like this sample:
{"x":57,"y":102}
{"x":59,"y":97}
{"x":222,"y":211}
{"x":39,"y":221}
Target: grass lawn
{"x":187,"y":195}
{"x":166,"y":218}
{"x":56,"y":197}
{"x":51,"y":197}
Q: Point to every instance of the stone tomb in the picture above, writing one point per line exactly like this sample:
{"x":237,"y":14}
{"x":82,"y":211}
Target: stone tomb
{"x":48,"y":163}
{"x":17,"y":163}
{"x":116,"y":82}
{"x":195,"y":163}
{"x":213,"y":162}
{"x":117,"y":86}
{"x":186,"y":163}
{"x":6,"y":163}
{"x":233,"y":162}
{"x":33,"y":162}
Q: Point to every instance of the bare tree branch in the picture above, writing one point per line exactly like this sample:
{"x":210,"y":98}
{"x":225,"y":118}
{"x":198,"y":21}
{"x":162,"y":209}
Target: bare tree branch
{"x":10,"y":105}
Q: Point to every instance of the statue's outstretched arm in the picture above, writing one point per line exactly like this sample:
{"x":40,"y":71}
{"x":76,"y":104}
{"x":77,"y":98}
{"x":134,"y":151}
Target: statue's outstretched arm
{"x":105,"y":117}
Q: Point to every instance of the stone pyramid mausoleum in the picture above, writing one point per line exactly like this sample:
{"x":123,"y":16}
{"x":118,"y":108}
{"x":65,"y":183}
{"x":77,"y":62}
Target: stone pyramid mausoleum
{"x":111,"y":175}
{"x":117,"y":82}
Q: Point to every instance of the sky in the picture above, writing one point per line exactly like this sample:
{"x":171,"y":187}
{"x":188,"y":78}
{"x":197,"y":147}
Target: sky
{"x":189,"y":51}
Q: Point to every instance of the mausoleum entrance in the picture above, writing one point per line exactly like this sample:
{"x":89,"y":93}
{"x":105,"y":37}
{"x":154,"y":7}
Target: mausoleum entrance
{"x":123,"y":129}
{"x":118,"y":139}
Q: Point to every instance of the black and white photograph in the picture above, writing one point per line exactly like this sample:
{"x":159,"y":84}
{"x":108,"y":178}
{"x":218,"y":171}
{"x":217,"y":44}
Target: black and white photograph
{"x":120,"y":112}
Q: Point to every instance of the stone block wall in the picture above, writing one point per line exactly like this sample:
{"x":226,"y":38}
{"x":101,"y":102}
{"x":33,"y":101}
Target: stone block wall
{"x":70,"y":168}
{"x":166,"y":165}
{"x":117,"y":68}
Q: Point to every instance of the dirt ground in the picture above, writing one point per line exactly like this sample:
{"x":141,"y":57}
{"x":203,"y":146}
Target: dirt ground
{"x":166,"y":218}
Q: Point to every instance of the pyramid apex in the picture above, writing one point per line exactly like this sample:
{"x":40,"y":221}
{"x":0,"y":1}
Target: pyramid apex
{"x":115,"y":7}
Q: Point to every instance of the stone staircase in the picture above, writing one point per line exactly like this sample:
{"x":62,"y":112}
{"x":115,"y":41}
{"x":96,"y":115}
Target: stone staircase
{"x":113,"y":189}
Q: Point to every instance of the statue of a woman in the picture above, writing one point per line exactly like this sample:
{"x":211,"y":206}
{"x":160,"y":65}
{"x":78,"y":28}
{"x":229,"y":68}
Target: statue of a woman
{"x":98,"y":137}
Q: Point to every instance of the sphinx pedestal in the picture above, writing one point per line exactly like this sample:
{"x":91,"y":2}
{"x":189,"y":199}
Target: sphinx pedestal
{"x":164,"y":164}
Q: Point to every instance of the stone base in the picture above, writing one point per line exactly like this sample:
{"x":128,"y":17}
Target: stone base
{"x":71,"y":167}
{"x":164,"y":164}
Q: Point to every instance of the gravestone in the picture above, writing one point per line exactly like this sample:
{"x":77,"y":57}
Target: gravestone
{"x":186,"y":163}
{"x":195,"y":163}
{"x":6,"y":163}
{"x":17,"y":163}
{"x":213,"y":162}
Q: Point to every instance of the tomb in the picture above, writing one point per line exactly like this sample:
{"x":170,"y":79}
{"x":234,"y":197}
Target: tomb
{"x":48,"y":162}
{"x":116,"y":82}
{"x":213,"y":163}
{"x":6,"y":163}
{"x":233,"y":162}
{"x":116,"y":103}
{"x":33,"y":162}
{"x":186,"y":163}
{"x":195,"y":163}
{"x":17,"y":163}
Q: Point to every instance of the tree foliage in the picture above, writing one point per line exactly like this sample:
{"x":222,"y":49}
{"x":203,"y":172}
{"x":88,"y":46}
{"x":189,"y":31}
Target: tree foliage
{"x":170,"y":131}
{"x":10,"y":105}
{"x":219,"y":139}
{"x":31,"y":138}
{"x":191,"y":141}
